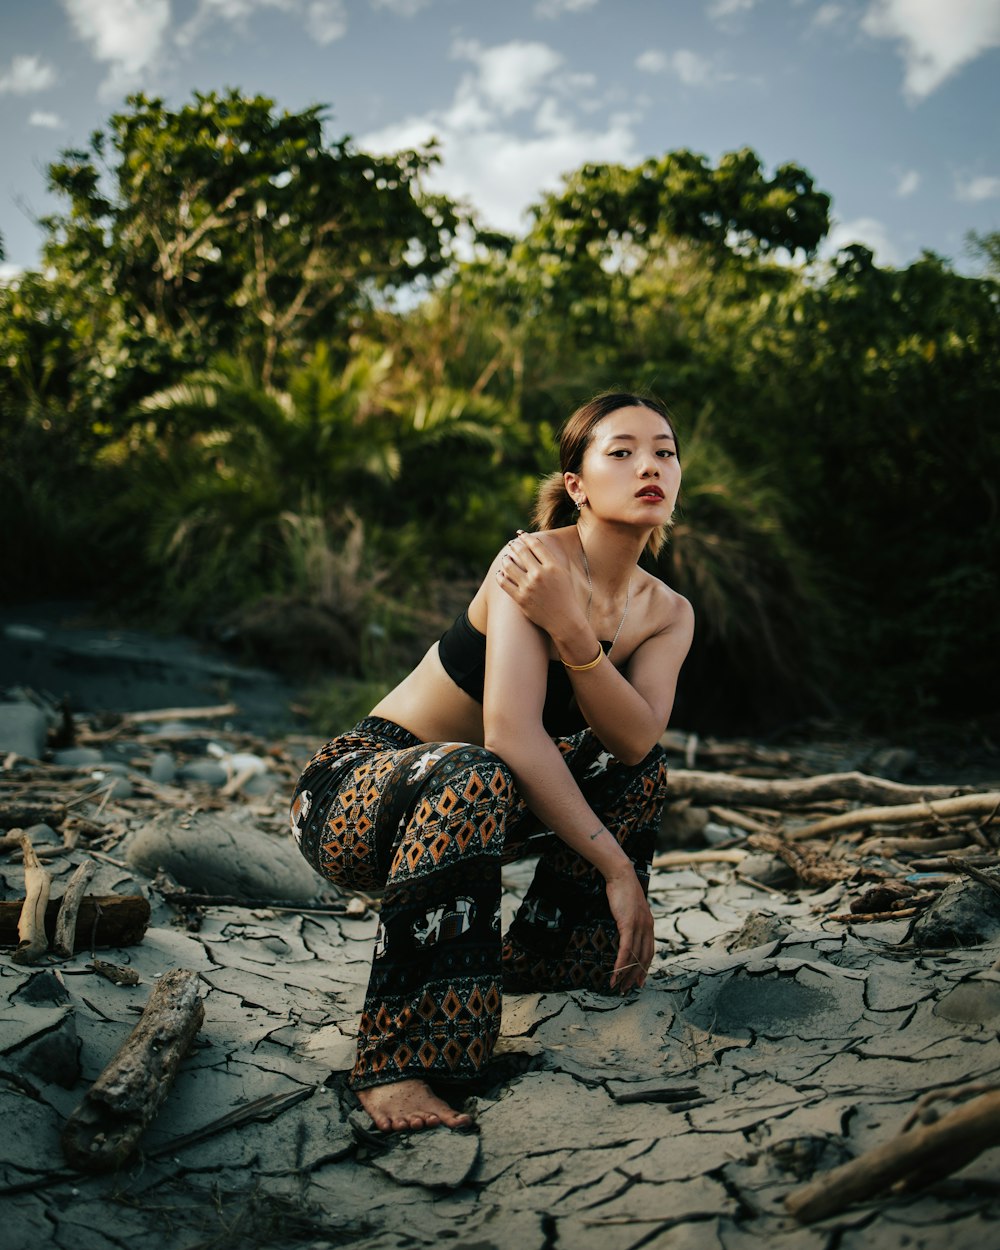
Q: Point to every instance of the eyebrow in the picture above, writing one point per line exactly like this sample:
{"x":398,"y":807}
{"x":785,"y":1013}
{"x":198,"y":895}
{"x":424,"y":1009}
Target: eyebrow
{"x":619,"y":438}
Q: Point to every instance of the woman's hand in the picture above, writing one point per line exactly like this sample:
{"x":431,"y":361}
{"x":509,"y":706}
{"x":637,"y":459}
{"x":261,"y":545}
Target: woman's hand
{"x":536,"y":573}
{"x":636,"y":943}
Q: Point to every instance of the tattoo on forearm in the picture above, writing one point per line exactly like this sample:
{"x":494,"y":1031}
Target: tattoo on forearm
{"x":597,"y":833}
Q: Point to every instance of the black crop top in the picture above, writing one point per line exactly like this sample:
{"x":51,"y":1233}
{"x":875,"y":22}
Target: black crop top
{"x":462,"y":649}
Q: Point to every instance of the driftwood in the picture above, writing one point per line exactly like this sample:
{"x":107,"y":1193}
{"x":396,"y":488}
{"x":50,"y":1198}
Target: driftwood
{"x":105,"y":1129}
{"x":679,"y":859}
{"x":218,"y":712}
{"x":728,"y":791}
{"x":22,"y":816}
{"x":918,"y":1154}
{"x":939,"y":809}
{"x":65,"y":940}
{"x":103,"y":920}
{"x":32,"y":942}
{"x":811,"y":868}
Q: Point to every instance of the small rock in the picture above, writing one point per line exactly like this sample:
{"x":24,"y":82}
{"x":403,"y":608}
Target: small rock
{"x":759,"y":929}
{"x":42,"y":835}
{"x":973,"y":1002}
{"x":23,"y":729}
{"x":767,"y":869}
{"x":162,"y":768}
{"x":42,"y":989}
{"x":204,"y":771}
{"x":120,"y":787}
{"x":892,"y":763}
{"x":50,"y":1053}
{"x":714,"y":834}
{"x":73,"y":757}
{"x":681,"y":825}
{"x":965,"y":914}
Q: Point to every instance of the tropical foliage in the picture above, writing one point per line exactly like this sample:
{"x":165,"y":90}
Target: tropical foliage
{"x":213,"y":407}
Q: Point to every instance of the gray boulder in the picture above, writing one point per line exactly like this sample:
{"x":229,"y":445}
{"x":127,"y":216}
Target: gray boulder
{"x":23,"y":729}
{"x":222,"y":854}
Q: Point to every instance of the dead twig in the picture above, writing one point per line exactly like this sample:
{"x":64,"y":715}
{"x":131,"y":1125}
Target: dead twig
{"x":65,"y":937}
{"x":32,"y":942}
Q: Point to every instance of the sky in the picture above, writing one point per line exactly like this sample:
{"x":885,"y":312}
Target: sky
{"x":891,"y":105}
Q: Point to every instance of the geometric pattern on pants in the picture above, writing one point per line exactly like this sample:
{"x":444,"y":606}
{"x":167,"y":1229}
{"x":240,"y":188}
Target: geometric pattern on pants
{"x":434,"y":823}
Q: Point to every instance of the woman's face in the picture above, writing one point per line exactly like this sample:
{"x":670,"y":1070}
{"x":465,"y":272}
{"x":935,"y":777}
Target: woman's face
{"x":630,"y":470}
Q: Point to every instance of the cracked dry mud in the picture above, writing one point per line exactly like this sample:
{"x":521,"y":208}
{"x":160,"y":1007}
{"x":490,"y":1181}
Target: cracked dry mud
{"x":680,"y":1117}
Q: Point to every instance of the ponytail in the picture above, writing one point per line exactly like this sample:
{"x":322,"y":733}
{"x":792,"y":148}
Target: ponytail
{"x":553,"y":505}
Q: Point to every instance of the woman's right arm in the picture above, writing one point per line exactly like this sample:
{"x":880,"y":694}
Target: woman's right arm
{"x":513,"y":698}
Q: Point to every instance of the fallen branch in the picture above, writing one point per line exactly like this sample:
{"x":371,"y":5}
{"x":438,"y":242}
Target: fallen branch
{"x":218,"y":712}
{"x":105,"y":1129}
{"x":181,"y":898}
{"x":724,"y":789}
{"x":679,"y":859}
{"x":103,"y":920}
{"x":65,"y":939}
{"x":914,"y":1155}
{"x":960,"y":805}
{"x":32,"y":942}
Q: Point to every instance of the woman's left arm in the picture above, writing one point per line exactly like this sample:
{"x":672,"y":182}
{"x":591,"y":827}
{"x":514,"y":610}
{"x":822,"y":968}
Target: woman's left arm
{"x":628,"y":711}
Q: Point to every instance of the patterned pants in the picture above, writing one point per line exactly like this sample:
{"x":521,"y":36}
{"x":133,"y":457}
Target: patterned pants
{"x":433,"y":823}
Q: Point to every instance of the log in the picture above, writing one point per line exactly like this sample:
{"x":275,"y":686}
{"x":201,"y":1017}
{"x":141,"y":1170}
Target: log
{"x":105,"y":1129}
{"x":680,"y":859}
{"x":218,"y":712}
{"x":69,"y":910}
{"x":725,"y":790}
{"x":103,"y":920}
{"x":22,"y":816}
{"x":32,"y":942}
{"x":936,"y":1149}
{"x":940,"y":809}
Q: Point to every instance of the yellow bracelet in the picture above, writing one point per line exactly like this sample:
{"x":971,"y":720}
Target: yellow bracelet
{"x":582,"y":668}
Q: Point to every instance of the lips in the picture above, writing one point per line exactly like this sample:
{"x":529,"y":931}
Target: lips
{"x":649,"y":492}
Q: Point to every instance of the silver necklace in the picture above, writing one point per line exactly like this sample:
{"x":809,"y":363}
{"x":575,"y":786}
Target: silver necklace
{"x":590,"y":598}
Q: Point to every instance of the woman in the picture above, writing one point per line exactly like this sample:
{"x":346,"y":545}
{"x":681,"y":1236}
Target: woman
{"x":538,"y":710}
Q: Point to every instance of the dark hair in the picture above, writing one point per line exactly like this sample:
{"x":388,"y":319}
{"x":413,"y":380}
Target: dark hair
{"x":553,"y":505}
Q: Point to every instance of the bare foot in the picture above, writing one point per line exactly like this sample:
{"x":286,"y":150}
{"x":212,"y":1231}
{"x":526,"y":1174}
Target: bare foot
{"x":409,"y":1105}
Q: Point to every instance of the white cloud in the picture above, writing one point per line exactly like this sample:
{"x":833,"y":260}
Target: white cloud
{"x":828,"y":15}
{"x":938,"y":38}
{"x":127,"y":34}
{"x":973,"y":190}
{"x":652,"y":61}
{"x":721,"y":10}
{"x":26,"y":75}
{"x":405,"y":8}
{"x":908,"y":182}
{"x":50,"y":121}
{"x":551,"y":9}
{"x":326,"y":20}
{"x":510,"y":131}
{"x":691,"y":68}
{"x":511,"y":75}
{"x":868,"y":231}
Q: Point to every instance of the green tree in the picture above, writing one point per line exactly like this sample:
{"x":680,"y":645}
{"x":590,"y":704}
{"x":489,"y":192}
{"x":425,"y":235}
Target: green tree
{"x":227,"y":226}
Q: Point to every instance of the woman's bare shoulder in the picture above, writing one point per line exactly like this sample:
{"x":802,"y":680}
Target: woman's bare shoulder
{"x":667,"y":611}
